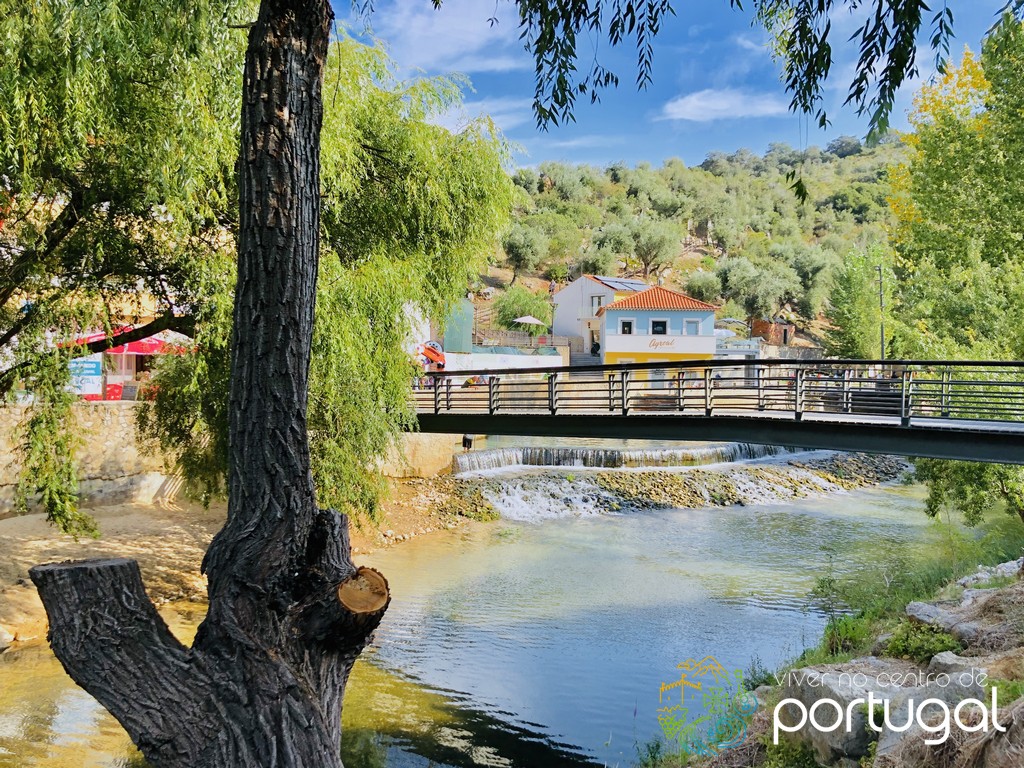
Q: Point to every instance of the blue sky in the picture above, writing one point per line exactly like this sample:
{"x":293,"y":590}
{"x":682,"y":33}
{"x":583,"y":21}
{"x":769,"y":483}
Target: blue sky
{"x":715,"y":85}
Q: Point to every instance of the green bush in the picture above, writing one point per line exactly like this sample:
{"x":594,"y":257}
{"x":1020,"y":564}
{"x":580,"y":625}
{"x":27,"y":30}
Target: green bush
{"x":757,"y":674}
{"x":557,"y":272}
{"x":788,"y":754}
{"x":846,"y":633}
{"x":920,"y":642}
{"x":518,"y":301}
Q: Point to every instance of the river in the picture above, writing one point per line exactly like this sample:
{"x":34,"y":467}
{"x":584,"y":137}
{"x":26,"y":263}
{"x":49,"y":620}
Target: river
{"x":538,"y":641}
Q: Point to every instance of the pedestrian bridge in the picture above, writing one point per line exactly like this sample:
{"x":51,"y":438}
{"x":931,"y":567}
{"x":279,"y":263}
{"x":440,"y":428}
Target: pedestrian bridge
{"x":938,"y":409}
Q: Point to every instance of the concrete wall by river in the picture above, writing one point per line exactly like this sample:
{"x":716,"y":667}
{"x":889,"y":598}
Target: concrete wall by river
{"x":115,"y":467}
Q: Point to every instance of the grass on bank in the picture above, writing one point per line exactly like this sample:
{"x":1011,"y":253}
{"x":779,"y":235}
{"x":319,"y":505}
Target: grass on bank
{"x":863,"y":606}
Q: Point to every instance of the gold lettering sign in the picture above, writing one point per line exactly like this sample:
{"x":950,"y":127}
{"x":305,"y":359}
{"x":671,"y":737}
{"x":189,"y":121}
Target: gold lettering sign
{"x":662,"y":343}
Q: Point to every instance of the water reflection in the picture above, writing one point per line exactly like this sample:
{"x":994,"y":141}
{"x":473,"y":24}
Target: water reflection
{"x":534,"y":644}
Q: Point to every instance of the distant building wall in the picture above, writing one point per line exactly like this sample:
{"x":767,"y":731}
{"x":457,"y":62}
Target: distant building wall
{"x":776,"y":334}
{"x":458,"y":330}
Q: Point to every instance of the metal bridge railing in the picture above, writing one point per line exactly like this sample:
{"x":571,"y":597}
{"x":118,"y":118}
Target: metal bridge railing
{"x":897,"y":391}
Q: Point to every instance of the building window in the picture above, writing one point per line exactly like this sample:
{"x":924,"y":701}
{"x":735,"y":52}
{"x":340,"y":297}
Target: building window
{"x":626,"y":327}
{"x":692,"y":328}
{"x":595,"y":304}
{"x":659,"y":327}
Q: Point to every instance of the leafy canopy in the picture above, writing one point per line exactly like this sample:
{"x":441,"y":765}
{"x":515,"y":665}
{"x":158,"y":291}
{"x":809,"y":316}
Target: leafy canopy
{"x":118,"y":137}
{"x":410,"y":212}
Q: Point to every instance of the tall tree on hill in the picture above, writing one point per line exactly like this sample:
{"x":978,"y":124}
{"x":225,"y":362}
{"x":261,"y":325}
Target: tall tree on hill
{"x":263,"y":682}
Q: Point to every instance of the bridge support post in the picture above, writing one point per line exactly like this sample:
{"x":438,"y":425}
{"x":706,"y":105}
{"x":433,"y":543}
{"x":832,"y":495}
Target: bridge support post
{"x":553,"y":393}
{"x":707,"y":392}
{"x":492,"y":395}
{"x":798,"y":395}
{"x":436,"y":384}
{"x":625,"y":393}
{"x":906,"y":397}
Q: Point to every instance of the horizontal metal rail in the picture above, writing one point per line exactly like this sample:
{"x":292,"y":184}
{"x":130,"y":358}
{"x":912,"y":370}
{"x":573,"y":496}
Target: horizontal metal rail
{"x":973,"y":397}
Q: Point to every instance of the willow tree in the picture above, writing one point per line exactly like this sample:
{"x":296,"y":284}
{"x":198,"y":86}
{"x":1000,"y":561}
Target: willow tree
{"x":262,"y":684}
{"x":117,"y":149}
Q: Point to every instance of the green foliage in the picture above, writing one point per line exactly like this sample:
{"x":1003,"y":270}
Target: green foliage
{"x":519,"y":301}
{"x":1009,"y":690}
{"x":845,"y":634}
{"x":757,"y":674}
{"x":50,"y":439}
{"x":654,"y":245}
{"x":118,"y":139}
{"x":972,"y":488}
{"x":855,"y":310}
{"x":920,"y":642}
{"x":409,"y":211}
{"x":524,"y":246}
{"x":957,"y":202}
{"x":706,"y":286}
{"x":867,"y":601}
{"x":844,"y":146}
{"x":787,"y":754}
{"x":557,"y":272}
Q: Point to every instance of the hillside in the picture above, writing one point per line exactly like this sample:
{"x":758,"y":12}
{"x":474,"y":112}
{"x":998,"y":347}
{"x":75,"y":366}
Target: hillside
{"x":730,"y":230}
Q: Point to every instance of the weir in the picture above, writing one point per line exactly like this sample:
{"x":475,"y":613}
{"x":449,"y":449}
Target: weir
{"x":609,"y":458}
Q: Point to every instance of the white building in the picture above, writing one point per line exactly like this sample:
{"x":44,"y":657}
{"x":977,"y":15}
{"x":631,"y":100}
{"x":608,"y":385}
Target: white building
{"x":577,"y":304}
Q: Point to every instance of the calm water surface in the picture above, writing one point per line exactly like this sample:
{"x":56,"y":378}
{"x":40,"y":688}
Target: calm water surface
{"x":534,"y":644}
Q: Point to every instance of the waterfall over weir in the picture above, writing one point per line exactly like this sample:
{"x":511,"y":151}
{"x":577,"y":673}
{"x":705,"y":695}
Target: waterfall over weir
{"x":609,"y":458}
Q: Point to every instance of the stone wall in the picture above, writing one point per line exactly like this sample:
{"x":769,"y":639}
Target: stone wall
{"x":112,"y":465}
{"x":422,"y":455}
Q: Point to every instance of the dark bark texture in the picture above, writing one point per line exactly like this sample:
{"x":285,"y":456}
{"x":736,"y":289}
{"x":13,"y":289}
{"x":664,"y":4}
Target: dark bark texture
{"x":263,"y":682}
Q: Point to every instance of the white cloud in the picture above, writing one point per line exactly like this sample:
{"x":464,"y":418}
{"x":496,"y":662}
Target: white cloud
{"x":590,"y":141}
{"x":750,"y":44}
{"x":711,"y":104}
{"x":457,"y":38}
{"x":507,"y":113}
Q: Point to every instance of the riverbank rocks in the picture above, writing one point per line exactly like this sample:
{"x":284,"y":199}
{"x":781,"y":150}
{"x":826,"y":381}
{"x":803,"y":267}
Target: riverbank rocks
{"x":843,"y":684}
{"x":985,"y":573}
{"x":984,"y":620}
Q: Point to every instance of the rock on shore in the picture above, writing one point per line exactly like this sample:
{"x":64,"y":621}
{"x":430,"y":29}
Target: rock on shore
{"x":990,"y":625}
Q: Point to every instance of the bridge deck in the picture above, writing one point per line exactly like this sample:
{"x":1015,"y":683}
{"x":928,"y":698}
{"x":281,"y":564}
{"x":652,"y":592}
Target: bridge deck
{"x":971,"y":411}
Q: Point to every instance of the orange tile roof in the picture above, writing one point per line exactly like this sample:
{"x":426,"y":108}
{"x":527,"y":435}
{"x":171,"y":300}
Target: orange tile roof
{"x":659,"y":298}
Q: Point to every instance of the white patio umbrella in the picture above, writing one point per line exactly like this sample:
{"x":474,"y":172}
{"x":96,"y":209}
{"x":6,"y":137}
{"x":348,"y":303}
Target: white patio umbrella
{"x":530,"y":320}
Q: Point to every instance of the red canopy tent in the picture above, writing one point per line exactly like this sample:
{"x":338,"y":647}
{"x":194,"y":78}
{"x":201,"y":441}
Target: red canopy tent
{"x":163,"y":343}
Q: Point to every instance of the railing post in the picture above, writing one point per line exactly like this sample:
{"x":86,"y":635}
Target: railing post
{"x":947,"y":376}
{"x":759,"y":375}
{"x":847,"y":397}
{"x":435,"y":383}
{"x":553,"y":393}
{"x":707,"y":391}
{"x":625,"y":393}
{"x":906,"y":397}
{"x":448,"y":392}
{"x":680,"y":404}
{"x":611,"y":392}
{"x":798,"y":395}
{"x":492,"y":395}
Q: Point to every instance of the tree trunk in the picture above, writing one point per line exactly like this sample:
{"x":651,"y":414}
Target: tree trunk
{"x":263,"y":682}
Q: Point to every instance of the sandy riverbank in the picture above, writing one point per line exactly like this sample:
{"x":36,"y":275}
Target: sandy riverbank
{"x":169,"y":541}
